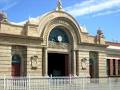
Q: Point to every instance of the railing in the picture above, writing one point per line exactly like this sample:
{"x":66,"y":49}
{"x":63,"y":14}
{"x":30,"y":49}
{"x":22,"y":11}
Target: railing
{"x":58,"y":83}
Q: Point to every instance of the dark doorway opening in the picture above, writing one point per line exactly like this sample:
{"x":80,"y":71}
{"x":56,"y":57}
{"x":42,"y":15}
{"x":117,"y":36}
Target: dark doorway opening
{"x":93,"y":65}
{"x":57,"y":64}
{"x":108,"y":67}
{"x":118,"y":67}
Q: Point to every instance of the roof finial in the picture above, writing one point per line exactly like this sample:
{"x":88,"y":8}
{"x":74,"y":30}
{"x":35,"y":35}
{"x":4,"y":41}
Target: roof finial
{"x":3,"y":16}
{"x":59,"y":5}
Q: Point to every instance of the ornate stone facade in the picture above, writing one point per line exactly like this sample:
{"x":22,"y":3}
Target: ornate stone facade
{"x":33,"y":37}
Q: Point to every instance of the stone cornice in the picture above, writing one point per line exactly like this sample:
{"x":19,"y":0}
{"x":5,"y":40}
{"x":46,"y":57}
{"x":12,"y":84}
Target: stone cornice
{"x":20,"y":36}
{"x":92,"y":44}
{"x":8,"y":23}
{"x":11,"y":44}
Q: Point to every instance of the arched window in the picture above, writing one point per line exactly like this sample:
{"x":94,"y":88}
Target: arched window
{"x":16,"y":59}
{"x":58,"y":35}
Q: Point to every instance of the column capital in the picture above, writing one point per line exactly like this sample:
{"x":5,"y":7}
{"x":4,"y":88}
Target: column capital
{"x":73,"y":50}
{"x":45,"y":47}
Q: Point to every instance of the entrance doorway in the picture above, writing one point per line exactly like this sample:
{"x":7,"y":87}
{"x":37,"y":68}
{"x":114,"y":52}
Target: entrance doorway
{"x":57,"y":64}
{"x":93,"y":65}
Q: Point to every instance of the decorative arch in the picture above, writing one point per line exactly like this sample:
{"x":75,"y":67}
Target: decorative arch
{"x":67,"y":29}
{"x":60,"y":19}
{"x":63,"y":23}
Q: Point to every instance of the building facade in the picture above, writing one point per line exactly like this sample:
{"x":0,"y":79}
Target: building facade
{"x":113,"y":59}
{"x":53,"y":44}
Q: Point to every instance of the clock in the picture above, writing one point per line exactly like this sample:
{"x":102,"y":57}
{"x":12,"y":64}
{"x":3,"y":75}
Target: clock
{"x":59,"y":38}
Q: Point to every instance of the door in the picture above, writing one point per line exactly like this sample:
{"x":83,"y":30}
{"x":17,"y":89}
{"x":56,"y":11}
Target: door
{"x":15,"y":69}
{"x":16,"y":65}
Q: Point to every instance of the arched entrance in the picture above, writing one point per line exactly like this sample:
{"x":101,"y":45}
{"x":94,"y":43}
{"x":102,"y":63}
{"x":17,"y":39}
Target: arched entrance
{"x":58,"y":60}
{"x":60,"y":35}
{"x":16,"y":65}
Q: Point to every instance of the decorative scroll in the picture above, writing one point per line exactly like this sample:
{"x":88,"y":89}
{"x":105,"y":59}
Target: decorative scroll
{"x":34,"y":62}
{"x":84,"y":63}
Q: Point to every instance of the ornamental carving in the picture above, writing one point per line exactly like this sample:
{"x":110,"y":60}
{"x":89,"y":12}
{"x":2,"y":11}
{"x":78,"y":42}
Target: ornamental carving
{"x":60,"y":22}
{"x":58,"y":45}
{"x":99,"y":36}
{"x":34,"y":62}
{"x":84,"y":63}
{"x":53,"y":24}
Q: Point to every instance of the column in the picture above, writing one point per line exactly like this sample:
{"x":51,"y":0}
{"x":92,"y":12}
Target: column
{"x":77,"y":62}
{"x":70,"y":64}
{"x":111,"y":67}
{"x":66,"y":65}
{"x":119,"y":67}
{"x":45,"y":62}
{"x":116,"y":67}
{"x":74,"y":63}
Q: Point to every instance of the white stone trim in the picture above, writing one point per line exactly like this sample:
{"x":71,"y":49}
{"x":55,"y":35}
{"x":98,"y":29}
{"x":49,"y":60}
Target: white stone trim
{"x":116,"y":58}
{"x":113,"y":47}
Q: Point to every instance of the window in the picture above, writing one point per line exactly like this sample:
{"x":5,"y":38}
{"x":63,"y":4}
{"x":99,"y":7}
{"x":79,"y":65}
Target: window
{"x":16,"y":59}
{"x":58,"y":35}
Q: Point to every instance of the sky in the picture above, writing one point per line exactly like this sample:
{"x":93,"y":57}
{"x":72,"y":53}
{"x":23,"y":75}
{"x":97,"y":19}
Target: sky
{"x":93,"y":14}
